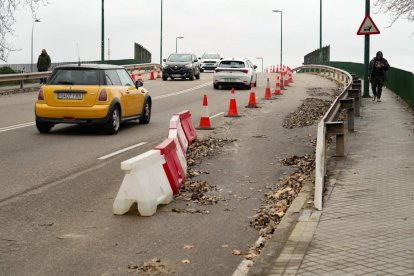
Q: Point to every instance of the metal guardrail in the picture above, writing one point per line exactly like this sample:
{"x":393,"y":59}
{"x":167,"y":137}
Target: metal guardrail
{"x":22,"y":77}
{"x":349,"y":99}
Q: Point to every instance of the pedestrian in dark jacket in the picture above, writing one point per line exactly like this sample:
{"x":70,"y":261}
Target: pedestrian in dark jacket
{"x":377,"y":74}
{"x":43,"y":64}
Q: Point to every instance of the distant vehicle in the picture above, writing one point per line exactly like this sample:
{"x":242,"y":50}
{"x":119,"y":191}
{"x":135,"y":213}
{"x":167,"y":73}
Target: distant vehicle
{"x":181,"y":66}
{"x":91,"y":94}
{"x":209,"y":61}
{"x":235,"y":72}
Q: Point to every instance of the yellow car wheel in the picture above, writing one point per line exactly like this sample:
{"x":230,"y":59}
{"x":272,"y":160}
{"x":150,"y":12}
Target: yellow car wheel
{"x":114,"y":121}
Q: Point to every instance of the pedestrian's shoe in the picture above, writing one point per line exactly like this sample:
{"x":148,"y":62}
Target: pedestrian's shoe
{"x":379,"y":100}
{"x":374,"y":98}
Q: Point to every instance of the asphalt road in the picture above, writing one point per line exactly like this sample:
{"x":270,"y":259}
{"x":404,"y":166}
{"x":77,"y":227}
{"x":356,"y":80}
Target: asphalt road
{"x":56,"y":194}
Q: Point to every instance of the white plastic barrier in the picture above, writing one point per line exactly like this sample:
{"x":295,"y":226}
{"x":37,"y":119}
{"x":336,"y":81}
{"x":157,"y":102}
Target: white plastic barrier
{"x":173,"y":134}
{"x":145,"y":183}
{"x":175,"y":123}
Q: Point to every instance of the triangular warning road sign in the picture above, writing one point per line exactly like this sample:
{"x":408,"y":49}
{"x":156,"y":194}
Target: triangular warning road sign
{"x":368,"y":27}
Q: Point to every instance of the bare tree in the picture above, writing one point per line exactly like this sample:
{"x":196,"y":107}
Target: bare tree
{"x":7,"y":20}
{"x":397,"y":9}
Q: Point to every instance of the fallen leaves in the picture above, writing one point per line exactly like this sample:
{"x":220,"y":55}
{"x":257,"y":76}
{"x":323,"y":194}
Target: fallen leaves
{"x":153,"y":267}
{"x":277,"y":202}
{"x":190,"y":211}
{"x":311,"y":111}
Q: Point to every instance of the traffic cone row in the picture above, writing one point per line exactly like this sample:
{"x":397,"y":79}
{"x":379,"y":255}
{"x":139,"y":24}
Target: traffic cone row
{"x":205,"y":122}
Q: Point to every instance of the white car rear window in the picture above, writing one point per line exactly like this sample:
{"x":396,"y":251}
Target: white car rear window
{"x":232,"y":64}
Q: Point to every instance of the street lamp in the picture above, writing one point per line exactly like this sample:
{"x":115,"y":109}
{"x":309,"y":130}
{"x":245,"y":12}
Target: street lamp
{"x":281,"y":35}
{"x":161,"y":36}
{"x":31,"y":60}
{"x":176,"y":42}
{"x":262,"y":62}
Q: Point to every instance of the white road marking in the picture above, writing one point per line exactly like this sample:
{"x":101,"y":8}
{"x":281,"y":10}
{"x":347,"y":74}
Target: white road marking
{"x":218,"y":114}
{"x":182,"y":92}
{"x":3,"y":129}
{"x":121,"y":151}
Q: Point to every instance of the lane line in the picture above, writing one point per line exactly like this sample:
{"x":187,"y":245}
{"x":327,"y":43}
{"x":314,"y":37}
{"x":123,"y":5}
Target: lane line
{"x":218,"y":114}
{"x":121,"y":151}
{"x":182,"y":91}
{"x":3,"y":129}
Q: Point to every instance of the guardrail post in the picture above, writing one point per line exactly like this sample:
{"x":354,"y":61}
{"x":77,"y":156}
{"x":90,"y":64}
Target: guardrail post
{"x":21,"y":84}
{"x":337,"y":128}
{"x":356,"y":95}
{"x":348,"y":104}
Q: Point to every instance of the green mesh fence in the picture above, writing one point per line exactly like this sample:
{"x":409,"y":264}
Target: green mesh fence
{"x":399,"y":81}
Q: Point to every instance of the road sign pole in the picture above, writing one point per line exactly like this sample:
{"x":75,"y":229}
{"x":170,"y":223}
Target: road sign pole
{"x":366,"y":55}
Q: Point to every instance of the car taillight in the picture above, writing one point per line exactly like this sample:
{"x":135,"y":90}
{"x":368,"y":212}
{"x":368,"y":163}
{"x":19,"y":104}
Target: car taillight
{"x":103,"y":96}
{"x":41,"y":95}
{"x":245,"y":71}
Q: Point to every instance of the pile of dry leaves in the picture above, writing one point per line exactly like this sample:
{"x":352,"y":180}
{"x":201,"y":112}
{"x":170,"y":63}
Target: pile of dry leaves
{"x":277,"y":201}
{"x":197,"y":191}
{"x":311,"y":111}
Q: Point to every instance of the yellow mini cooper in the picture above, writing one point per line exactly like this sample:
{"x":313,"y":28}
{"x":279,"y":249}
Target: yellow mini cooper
{"x":91,"y":94}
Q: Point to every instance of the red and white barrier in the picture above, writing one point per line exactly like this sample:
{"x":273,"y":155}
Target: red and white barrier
{"x":172,"y":167}
{"x":175,"y":123}
{"x":187,"y":124}
{"x":145,"y":182}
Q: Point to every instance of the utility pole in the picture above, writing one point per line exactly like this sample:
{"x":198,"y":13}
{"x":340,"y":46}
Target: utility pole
{"x":320,"y":34}
{"x":103,"y":34}
{"x":161,"y":37}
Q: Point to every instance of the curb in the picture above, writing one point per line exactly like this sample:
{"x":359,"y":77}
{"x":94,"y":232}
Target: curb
{"x":264,"y":263}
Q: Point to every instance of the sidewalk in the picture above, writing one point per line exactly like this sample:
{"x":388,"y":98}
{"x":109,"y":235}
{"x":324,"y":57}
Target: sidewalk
{"x":367,"y":224}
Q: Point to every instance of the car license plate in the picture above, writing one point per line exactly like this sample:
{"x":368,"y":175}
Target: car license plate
{"x":229,"y":80}
{"x":69,"y":96}
{"x":176,"y":76}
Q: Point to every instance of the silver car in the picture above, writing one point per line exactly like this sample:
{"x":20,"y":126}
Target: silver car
{"x":235,"y":72}
{"x":209,"y":61}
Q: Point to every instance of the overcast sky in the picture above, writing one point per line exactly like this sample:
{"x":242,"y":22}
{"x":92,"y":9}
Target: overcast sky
{"x":234,"y":28}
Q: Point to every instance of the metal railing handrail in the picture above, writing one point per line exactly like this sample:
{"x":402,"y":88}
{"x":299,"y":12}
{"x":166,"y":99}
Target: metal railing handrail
{"x":320,"y":154}
{"x":38,"y":75}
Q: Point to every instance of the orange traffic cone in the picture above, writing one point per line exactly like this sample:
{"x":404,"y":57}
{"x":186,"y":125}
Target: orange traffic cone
{"x":290,"y":77}
{"x":159,"y":73}
{"x":205,"y":118}
{"x":282,"y":83}
{"x":233,"y":106}
{"x":268,"y":93}
{"x":252,"y":99}
{"x":277,"y":90}
{"x":139,"y":76}
{"x":277,"y":68}
{"x":133,"y":75}
{"x":152,"y":75}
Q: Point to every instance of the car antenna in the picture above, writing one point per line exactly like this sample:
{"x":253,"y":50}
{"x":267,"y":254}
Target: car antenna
{"x":77,"y":46}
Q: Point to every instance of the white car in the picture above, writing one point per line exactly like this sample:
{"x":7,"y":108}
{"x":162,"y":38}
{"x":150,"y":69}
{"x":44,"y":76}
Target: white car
{"x":209,"y":61}
{"x":235,"y":72}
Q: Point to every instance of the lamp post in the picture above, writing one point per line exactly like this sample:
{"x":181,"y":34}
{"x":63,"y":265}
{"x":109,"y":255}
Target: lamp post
{"x":31,"y":60}
{"x":281,"y":35}
{"x":176,"y":42}
{"x":103,"y":34}
{"x":161,"y":37}
{"x":262,"y":62}
{"x":320,"y":33}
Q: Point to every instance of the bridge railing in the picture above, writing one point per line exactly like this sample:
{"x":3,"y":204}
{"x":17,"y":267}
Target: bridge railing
{"x":349,"y":99}
{"x":24,"y":77}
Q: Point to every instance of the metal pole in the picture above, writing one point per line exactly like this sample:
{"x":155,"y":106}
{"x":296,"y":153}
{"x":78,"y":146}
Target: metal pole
{"x":281,"y":38}
{"x":103,"y":34}
{"x":262,"y":65}
{"x":176,"y":39}
{"x":320,"y":34}
{"x":161,"y":37}
{"x":366,"y":55}
{"x":31,"y":60}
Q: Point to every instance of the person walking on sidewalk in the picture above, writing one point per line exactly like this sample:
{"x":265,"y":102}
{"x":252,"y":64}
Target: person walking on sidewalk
{"x":43,"y":64}
{"x":377,"y":74}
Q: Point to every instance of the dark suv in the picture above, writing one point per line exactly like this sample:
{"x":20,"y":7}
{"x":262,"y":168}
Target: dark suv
{"x":181,"y":66}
